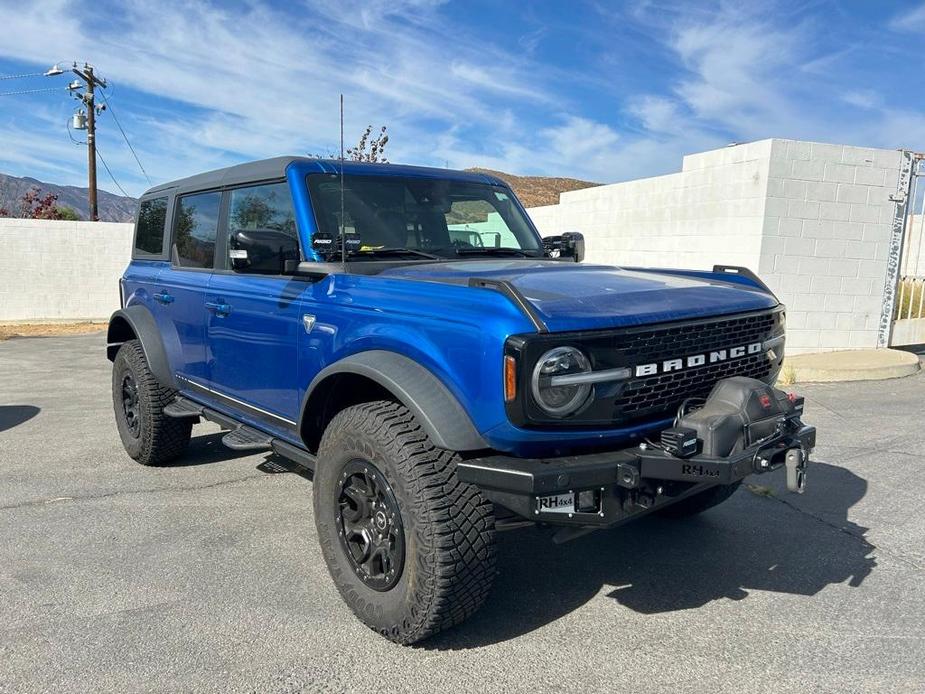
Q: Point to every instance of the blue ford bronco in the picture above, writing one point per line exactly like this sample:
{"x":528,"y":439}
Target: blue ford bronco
{"x":445,"y":372}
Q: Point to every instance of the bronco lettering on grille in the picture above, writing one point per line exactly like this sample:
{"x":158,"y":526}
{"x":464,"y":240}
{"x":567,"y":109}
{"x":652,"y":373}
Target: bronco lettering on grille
{"x":694,"y":360}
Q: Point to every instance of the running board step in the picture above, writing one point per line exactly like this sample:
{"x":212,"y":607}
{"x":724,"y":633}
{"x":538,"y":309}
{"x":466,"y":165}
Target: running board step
{"x":241,"y":437}
{"x":245,"y":438}
{"x":181,"y":408}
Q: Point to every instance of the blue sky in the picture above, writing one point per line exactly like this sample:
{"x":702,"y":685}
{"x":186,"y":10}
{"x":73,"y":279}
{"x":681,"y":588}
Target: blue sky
{"x":606,"y":91}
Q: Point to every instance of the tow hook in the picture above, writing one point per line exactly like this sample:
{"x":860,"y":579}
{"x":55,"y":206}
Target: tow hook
{"x":795,"y":462}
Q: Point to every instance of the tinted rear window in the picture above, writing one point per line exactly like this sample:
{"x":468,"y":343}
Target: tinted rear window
{"x":152,"y":217}
{"x":194,"y":229}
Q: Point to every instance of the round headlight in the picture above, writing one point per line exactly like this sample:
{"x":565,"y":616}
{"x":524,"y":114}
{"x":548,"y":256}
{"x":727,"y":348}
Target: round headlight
{"x":557,"y":396}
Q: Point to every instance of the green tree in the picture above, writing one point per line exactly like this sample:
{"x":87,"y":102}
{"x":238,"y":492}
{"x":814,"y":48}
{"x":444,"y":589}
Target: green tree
{"x":68,"y":213}
{"x":186,"y":245}
{"x":251,"y":212}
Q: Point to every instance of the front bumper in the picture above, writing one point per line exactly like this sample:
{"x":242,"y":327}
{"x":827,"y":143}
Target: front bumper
{"x":605,"y":489}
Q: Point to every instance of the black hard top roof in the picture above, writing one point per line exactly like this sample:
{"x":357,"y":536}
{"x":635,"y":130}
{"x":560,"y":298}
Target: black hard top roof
{"x":275,"y":168}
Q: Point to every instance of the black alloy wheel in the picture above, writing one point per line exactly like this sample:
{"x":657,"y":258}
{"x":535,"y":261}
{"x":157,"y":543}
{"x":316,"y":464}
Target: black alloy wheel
{"x":138,"y":401}
{"x":130,"y":407}
{"x":369,"y":525}
{"x":410,"y":548}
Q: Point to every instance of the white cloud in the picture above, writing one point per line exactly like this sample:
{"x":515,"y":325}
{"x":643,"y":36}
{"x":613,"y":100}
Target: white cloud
{"x":912,"y":19}
{"x":737,"y":72}
{"x":862,"y":98}
{"x":751,"y":73}
{"x":263,"y":82}
{"x":200,"y":85}
{"x":658,"y":114}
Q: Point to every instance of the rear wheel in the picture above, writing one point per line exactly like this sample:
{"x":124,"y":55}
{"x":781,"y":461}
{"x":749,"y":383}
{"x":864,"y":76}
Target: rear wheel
{"x":148,"y":435}
{"x":700,"y":502}
{"x":410,"y":547}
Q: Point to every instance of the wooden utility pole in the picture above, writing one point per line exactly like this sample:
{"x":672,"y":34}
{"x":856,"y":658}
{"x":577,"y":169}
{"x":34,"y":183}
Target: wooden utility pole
{"x":91,"y":146}
{"x":86,"y":74}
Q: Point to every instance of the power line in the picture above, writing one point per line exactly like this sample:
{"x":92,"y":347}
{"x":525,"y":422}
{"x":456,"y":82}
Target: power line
{"x":106,"y":166}
{"x":17,"y":77}
{"x":31,"y":91}
{"x":125,"y":137}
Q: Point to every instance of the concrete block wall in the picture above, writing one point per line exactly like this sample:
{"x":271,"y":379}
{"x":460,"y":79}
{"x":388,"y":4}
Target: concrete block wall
{"x":812,"y":219}
{"x":710,"y":212}
{"x":824,"y":245}
{"x":61,"y":271}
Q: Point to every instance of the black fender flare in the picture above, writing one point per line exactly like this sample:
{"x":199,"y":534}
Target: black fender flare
{"x":437,"y":410}
{"x":142,"y":324}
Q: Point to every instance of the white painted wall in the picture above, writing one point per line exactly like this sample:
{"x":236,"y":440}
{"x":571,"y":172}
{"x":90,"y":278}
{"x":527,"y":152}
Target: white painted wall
{"x":710,"y":212}
{"x":51,"y":270}
{"x":811,"y":219}
{"x":825,"y":240}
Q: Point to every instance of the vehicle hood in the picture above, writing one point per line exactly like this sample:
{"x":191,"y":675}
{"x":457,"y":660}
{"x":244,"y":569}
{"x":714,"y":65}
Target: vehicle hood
{"x":572,"y":296}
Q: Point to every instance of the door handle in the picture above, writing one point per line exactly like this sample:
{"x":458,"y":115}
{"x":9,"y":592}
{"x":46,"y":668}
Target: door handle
{"x":164,"y":298}
{"x":221,"y":310}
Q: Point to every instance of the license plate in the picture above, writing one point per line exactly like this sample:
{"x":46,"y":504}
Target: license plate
{"x":557,"y":503}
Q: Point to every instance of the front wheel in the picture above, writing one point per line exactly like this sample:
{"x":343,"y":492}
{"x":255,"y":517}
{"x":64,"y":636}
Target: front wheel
{"x":148,"y":435}
{"x":410,"y":547}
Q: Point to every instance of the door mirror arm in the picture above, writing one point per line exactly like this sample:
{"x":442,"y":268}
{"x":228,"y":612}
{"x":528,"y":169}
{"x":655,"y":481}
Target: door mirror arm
{"x":311,"y":270}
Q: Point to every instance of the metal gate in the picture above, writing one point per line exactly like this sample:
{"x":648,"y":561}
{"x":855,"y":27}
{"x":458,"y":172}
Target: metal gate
{"x":903,"y":317}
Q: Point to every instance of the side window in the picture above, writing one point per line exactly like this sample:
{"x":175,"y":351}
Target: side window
{"x":149,"y":235}
{"x":479,"y":223}
{"x":194,"y":229}
{"x":261,"y":229}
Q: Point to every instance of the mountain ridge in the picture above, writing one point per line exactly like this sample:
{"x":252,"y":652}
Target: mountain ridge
{"x":110,"y":207}
{"x":533,"y":191}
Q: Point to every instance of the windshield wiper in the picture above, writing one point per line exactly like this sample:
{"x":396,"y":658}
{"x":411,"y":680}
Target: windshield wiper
{"x":397,"y":251}
{"x":502,"y":250}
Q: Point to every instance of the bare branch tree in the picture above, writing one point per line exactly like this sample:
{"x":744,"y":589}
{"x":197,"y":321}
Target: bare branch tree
{"x":369,"y":149}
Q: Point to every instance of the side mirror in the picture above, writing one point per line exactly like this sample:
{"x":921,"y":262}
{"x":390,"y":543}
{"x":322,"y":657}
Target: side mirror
{"x":262,"y":250}
{"x":570,"y":245}
{"x":573,"y":245}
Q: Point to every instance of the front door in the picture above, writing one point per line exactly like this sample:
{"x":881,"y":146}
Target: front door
{"x":252,"y":332}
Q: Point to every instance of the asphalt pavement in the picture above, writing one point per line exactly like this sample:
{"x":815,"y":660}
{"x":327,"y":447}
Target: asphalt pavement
{"x":207,"y":576}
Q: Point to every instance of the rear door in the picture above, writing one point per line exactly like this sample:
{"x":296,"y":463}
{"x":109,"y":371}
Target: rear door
{"x":139,"y":281}
{"x":180,"y":287}
{"x":253,"y":336}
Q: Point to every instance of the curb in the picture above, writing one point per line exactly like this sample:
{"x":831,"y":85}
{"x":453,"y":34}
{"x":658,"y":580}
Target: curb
{"x":850,"y":365}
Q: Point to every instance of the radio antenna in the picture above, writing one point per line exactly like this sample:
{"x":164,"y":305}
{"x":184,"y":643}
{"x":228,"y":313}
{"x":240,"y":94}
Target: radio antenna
{"x":343,"y":221}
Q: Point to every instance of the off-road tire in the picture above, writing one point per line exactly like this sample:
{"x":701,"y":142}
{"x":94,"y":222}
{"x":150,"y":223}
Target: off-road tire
{"x":156,"y":439}
{"x":449,"y":534}
{"x":698,"y":503}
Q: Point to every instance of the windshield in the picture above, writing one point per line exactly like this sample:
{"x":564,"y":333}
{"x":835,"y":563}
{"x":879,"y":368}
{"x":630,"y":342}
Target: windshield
{"x":425,"y":217}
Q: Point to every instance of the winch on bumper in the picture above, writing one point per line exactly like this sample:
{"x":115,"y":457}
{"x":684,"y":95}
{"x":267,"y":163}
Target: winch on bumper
{"x":744,"y":427}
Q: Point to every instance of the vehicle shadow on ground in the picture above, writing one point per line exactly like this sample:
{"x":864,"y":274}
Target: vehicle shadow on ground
{"x":14,"y":415}
{"x":207,"y":449}
{"x":752,"y":542}
{"x":277,"y":464}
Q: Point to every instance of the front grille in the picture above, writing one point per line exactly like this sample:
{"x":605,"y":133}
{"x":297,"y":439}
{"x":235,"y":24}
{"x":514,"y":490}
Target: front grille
{"x":646,"y":398}
{"x":663,"y":393}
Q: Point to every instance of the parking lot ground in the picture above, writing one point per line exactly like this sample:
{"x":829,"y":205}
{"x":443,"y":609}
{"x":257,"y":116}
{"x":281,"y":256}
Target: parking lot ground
{"x":207,"y":576}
